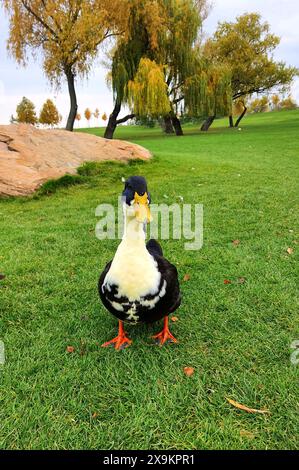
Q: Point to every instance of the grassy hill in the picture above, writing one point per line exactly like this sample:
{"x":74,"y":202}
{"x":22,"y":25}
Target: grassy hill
{"x":236,"y":335}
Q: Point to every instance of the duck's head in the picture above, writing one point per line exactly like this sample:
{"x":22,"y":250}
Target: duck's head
{"x":137,"y":199}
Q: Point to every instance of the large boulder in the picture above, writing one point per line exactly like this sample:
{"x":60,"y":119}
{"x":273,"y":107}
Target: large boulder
{"x":30,"y":156}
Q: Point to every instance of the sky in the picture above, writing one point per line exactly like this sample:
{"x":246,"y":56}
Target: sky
{"x":16,"y":82}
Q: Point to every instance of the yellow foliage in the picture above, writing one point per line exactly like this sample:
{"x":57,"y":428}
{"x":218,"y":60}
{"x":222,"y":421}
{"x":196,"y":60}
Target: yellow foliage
{"x":147,"y":93}
{"x":26,"y":112}
{"x":49,"y":114}
{"x":67,"y":33}
{"x":87,"y":114}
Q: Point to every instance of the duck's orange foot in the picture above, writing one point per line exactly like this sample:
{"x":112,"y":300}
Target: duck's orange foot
{"x":121,"y":341}
{"x":164,"y":336}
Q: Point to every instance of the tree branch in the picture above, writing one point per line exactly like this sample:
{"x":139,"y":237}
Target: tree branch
{"x":40,"y":20}
{"x":125,"y":119}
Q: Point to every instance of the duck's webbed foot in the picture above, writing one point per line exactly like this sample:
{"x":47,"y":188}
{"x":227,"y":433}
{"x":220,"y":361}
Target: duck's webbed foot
{"x":121,"y":341}
{"x":164,"y":336}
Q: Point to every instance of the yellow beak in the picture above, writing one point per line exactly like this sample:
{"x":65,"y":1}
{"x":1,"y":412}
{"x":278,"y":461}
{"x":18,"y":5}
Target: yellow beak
{"x":142,"y":209}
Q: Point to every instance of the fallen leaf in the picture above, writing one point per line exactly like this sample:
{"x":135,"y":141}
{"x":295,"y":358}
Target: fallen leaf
{"x":70,"y":349}
{"x":186,"y":277}
{"x":94,"y":415}
{"x":245,"y":408}
{"x":295,"y":241}
{"x":227,"y":281}
{"x":247,"y":434}
{"x":290,"y":250}
{"x":241,"y":280}
{"x":188,"y":371}
{"x":236,"y":242}
{"x":2,"y":276}
{"x":174,"y":318}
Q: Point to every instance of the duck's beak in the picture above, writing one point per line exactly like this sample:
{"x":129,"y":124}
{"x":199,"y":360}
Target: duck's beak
{"x":142,"y":210}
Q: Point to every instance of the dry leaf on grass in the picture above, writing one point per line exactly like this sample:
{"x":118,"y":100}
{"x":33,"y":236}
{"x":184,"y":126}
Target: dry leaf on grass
{"x":186,"y":277}
{"x":236,"y":242}
{"x":2,"y":276}
{"x":174,"y":318}
{"x":241,"y":280}
{"x":246,"y":408}
{"x":290,"y":250}
{"x":188,"y":371}
{"x":248,"y":434}
{"x":94,"y":415}
{"x":227,"y":281}
{"x":70,"y":349}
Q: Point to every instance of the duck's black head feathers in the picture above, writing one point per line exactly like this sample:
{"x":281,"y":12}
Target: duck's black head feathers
{"x":135,"y":184}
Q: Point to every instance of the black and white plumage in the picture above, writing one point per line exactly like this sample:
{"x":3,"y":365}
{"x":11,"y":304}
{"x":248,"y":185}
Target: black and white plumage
{"x":139,"y":285}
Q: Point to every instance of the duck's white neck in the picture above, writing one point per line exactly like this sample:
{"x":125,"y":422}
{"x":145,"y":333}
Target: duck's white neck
{"x":133,"y":231}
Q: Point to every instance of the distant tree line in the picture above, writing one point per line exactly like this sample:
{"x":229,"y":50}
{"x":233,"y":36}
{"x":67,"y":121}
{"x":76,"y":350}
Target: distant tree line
{"x":49,"y":115}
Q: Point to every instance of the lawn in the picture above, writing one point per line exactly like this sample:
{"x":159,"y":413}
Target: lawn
{"x":236,"y":335}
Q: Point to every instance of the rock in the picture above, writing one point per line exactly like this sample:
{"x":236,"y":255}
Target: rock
{"x":30,"y":156}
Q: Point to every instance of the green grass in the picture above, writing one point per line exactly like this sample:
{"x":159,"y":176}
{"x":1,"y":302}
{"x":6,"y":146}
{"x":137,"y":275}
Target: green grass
{"x":236,"y":336}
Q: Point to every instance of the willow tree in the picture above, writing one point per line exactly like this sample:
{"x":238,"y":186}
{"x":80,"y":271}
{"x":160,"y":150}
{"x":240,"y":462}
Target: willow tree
{"x":145,"y":22}
{"x":247,"y":47}
{"x":179,"y":50}
{"x":66,"y":34}
{"x":166,"y":38}
{"x":208,"y":92}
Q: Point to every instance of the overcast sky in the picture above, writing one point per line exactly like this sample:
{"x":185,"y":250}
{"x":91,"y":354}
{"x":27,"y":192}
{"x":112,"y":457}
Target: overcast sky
{"x":15,"y":82}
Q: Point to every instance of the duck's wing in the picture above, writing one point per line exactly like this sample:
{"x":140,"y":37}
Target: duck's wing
{"x":101,"y":284}
{"x":169,"y":273}
{"x":154,"y":247}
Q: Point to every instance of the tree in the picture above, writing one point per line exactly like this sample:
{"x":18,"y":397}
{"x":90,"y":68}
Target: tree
{"x":259,"y":105}
{"x":246,"y":46}
{"x":78,"y":118}
{"x":66,"y":34}
{"x":239,"y":109}
{"x":145,"y":22}
{"x":208,"y":92}
{"x":96,"y":114}
{"x":288,"y":103}
{"x":275,"y":100}
{"x":49,"y":114}
{"x":26,"y":112}
{"x":175,"y":25}
{"x":87,"y":114}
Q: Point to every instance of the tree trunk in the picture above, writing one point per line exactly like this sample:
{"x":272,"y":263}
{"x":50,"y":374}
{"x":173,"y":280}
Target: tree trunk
{"x":177,"y":125}
{"x":73,"y":99}
{"x":241,"y":116}
{"x":112,"y":122}
{"x":207,"y":123}
{"x":231,"y":121}
{"x":168,"y":127}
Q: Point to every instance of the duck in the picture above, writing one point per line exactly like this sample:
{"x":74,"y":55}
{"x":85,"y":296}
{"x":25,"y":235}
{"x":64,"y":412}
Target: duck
{"x":139,"y":285}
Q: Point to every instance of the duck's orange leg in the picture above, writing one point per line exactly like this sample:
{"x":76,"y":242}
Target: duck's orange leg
{"x":165,"y":334}
{"x":121,"y":341}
